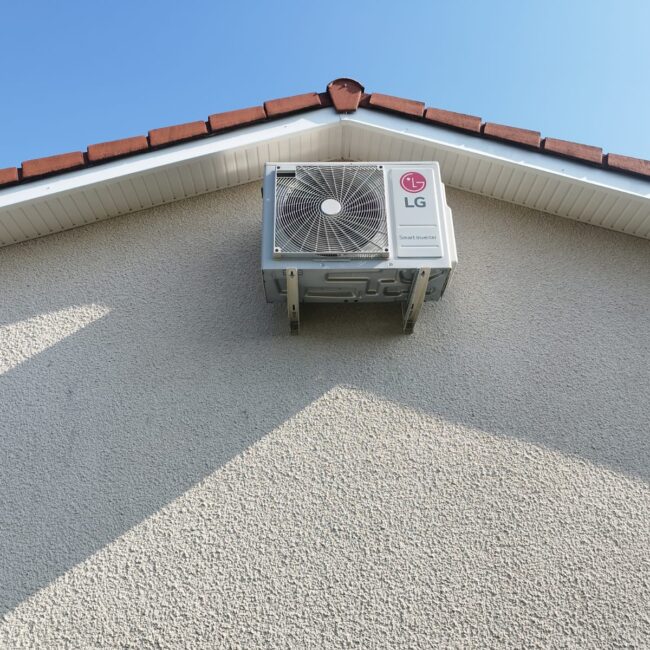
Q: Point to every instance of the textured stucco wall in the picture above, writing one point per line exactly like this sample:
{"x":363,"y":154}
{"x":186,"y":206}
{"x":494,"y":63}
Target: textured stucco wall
{"x":177,"y":471}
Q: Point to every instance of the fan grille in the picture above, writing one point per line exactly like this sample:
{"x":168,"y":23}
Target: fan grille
{"x":331,"y":210}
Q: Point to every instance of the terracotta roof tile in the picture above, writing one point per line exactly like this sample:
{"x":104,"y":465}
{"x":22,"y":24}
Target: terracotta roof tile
{"x":344,"y":95}
{"x":513,"y":134}
{"x":177,"y":133}
{"x":234,"y":119}
{"x":284,"y":105}
{"x":51,"y":164}
{"x":115,"y":148}
{"x":573,"y":150}
{"x":396,"y":104}
{"x":628,"y":164}
{"x":456,"y":120}
{"x":9,"y":175}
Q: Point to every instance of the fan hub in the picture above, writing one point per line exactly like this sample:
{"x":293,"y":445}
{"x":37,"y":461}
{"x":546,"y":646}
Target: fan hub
{"x":331,"y":207}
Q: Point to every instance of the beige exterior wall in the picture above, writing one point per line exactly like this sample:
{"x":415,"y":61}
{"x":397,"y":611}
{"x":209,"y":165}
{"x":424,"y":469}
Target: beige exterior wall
{"x":177,"y":471}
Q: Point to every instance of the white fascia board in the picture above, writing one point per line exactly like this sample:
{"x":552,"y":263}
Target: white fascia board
{"x":498,"y":151}
{"x":173,"y":155}
{"x":445,"y":139}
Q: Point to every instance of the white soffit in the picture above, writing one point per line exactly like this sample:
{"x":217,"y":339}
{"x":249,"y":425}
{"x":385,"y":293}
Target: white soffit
{"x":555,"y":185}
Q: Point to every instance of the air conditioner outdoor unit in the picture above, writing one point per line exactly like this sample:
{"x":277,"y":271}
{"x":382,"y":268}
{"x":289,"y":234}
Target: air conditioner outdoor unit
{"x":356,"y":232}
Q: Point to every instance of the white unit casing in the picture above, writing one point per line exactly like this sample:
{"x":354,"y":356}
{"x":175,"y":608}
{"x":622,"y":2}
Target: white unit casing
{"x":356,"y":232}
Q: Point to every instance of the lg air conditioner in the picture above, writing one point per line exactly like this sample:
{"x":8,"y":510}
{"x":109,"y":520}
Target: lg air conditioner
{"x":356,"y":232}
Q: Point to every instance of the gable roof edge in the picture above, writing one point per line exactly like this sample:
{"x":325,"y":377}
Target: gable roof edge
{"x":494,"y":168}
{"x":346,"y":96}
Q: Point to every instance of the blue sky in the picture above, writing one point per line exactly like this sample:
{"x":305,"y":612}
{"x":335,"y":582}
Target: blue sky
{"x":75,"y":73}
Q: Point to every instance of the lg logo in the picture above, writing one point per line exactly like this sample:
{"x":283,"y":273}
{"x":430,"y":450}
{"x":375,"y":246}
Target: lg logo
{"x":413,"y":182}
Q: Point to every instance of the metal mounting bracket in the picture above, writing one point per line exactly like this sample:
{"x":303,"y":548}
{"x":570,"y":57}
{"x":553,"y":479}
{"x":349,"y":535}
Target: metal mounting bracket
{"x":411,"y":312}
{"x":293,"y":300}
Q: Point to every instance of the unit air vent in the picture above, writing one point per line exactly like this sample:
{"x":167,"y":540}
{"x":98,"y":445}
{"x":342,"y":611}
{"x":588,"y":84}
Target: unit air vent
{"x":330,"y":211}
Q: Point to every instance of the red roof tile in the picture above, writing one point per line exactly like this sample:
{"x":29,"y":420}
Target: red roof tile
{"x":115,"y":148}
{"x":177,"y":133}
{"x":627,"y":164}
{"x":276,"y":107}
{"x":457,"y":120}
{"x":233,"y":119}
{"x":51,"y":164}
{"x":513,"y":134}
{"x":9,"y":175}
{"x":345,"y":96}
{"x":397,"y":104}
{"x":573,"y":150}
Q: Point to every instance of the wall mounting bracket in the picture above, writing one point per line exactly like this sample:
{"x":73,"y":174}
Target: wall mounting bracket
{"x":411,"y":312}
{"x":293,"y":299}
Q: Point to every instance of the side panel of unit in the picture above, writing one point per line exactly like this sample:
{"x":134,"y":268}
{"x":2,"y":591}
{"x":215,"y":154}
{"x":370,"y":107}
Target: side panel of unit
{"x":268,"y":213}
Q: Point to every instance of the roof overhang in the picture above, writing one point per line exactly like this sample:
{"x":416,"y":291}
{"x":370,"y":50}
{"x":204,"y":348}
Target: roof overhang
{"x":507,"y":172}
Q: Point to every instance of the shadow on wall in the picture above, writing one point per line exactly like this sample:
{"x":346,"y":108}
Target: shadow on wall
{"x":542,"y":336}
